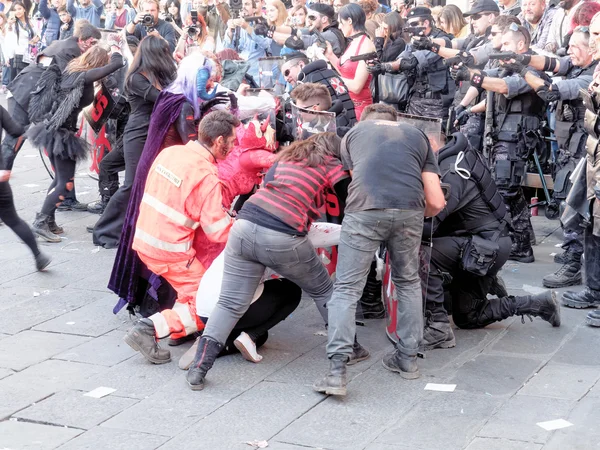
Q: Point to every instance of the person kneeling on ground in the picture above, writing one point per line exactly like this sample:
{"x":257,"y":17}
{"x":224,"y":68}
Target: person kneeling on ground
{"x":271,"y":231}
{"x":182,"y":226}
{"x":471,"y":243}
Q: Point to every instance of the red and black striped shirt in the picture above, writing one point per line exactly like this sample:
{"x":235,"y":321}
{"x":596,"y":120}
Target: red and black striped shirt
{"x":293,"y":195}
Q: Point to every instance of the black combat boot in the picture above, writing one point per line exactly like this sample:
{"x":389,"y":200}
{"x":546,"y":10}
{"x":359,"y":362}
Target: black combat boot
{"x":99,"y":206}
{"x":207,"y":352}
{"x":521,"y":250}
{"x":406,"y":366}
{"x":568,"y":275}
{"x":142,"y":338}
{"x":42,"y":261}
{"x":334,"y":383}
{"x":41,"y":228}
{"x":588,"y":298}
{"x":561,"y":258}
{"x":544,"y":305}
{"x":371,"y":304}
{"x":438,"y":335}
{"x":53,"y":226}
{"x":359,"y":353}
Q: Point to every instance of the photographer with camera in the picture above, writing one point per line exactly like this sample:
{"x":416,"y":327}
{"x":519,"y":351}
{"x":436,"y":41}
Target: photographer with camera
{"x":147,"y":23}
{"x":172,"y":14}
{"x":242,"y":38}
{"x":194,"y":35}
{"x":90,"y":10}
{"x":118,"y":15}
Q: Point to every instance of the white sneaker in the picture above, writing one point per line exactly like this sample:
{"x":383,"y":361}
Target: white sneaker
{"x":247,"y":348}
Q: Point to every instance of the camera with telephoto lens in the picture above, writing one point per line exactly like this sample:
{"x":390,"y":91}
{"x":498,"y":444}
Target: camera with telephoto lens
{"x":235,"y":6}
{"x":193,"y":28}
{"x":168,"y":17}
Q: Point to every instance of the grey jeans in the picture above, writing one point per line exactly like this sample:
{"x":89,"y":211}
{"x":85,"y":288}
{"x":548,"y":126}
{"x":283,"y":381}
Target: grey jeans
{"x":362,"y":233}
{"x":250,"y":248}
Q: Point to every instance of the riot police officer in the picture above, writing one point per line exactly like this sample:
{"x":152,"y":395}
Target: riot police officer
{"x":471,"y":244}
{"x":577,"y":70}
{"x":589,"y":201}
{"x":518,"y":115}
{"x":433,"y":89}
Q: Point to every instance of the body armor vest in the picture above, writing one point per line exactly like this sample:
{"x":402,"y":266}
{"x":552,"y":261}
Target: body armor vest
{"x":437,"y":77}
{"x":318,"y":72}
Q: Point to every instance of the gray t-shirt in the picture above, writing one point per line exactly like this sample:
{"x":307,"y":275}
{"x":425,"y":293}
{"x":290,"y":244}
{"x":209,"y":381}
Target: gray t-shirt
{"x":386,"y":159}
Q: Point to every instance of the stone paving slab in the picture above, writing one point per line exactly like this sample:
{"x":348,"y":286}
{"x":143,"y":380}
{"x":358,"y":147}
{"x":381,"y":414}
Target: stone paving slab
{"x":517,"y":418}
{"x":545,"y":382}
{"x":494,"y":375}
{"x":582,"y":348}
{"x":280,"y":404}
{"x":75,"y":410}
{"x":55,"y":374}
{"x":106,"y":350}
{"x":34,"y":347}
{"x":433,"y":423}
{"x":22,"y":435}
{"x":585,"y":433}
{"x":501,"y":444}
{"x":100,"y":438}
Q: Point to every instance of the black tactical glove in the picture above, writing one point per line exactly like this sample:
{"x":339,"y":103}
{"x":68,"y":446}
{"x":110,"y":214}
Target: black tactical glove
{"x":421,"y":43}
{"x":463,"y":115}
{"x":261,"y":29}
{"x":294,"y":42}
{"x":460,"y":73}
{"x":515,"y":67}
{"x":378,"y":68}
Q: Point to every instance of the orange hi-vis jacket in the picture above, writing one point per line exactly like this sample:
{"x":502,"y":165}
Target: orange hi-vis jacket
{"x":182,"y":207}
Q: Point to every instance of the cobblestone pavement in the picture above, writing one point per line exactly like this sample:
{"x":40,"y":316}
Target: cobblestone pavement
{"x":59,"y":339}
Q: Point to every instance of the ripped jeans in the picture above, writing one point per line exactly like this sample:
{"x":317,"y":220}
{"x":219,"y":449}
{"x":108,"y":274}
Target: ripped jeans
{"x":64,"y":174}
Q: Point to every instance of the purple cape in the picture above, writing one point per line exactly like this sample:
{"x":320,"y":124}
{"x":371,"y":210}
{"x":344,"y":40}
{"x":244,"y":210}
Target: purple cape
{"x":128,"y":267}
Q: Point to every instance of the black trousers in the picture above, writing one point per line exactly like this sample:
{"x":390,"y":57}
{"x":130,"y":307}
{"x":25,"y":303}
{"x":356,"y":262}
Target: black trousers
{"x":63,"y":183}
{"x":591,"y":248}
{"x":109,"y":168}
{"x":279,"y":299}
{"x":9,"y":216}
{"x":470,"y":306}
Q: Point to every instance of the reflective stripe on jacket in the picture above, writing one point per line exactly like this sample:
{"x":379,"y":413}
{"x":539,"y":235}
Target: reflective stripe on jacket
{"x":182,"y":207}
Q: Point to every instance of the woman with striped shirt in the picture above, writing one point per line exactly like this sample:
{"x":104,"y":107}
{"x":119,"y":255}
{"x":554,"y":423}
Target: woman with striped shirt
{"x":271,"y":232}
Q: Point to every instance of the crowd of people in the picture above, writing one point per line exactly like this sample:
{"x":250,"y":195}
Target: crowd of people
{"x":243,"y":128}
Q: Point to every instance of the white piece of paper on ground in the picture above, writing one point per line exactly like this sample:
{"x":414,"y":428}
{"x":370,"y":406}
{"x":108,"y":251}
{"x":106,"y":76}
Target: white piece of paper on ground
{"x":99,"y":392}
{"x":440,"y":387}
{"x":533,"y":289}
{"x":259,"y":444}
{"x":554,"y":424}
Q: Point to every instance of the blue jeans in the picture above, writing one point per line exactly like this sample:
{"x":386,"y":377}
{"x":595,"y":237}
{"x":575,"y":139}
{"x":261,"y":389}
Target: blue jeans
{"x":250,"y":248}
{"x":362,"y":233}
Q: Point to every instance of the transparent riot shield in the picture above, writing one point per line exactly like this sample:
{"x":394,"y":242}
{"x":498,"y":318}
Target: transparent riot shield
{"x":308,"y":122}
{"x":432,"y":128}
{"x":269,"y":74}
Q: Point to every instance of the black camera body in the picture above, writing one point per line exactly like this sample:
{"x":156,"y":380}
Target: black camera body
{"x":193,"y":28}
{"x":169,"y":17}
{"x":235,"y":5}
{"x":147,"y":21}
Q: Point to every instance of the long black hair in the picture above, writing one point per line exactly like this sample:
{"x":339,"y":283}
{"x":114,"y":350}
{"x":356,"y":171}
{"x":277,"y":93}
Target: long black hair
{"x":154,"y":60}
{"x":355,"y":12}
{"x":26,"y":25}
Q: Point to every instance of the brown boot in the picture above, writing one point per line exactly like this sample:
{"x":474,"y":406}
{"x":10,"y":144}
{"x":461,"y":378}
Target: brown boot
{"x":142,"y":338}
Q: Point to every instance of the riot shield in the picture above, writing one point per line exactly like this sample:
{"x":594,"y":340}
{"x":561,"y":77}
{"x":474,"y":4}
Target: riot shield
{"x":308,"y":122}
{"x":269,"y":74}
{"x":432,"y":128}
{"x":428,"y":125}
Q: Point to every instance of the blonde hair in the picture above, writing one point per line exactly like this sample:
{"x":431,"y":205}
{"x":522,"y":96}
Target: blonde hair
{"x":282,"y":12}
{"x":95,"y":56}
{"x":454,"y":19}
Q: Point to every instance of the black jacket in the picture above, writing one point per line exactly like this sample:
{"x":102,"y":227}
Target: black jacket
{"x":8,"y":152}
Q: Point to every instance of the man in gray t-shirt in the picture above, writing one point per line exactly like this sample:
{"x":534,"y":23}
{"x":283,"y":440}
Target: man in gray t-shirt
{"x":395,"y":183}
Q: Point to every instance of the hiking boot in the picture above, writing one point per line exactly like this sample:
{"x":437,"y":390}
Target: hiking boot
{"x":53,"y":226}
{"x":406,"y":366}
{"x":41,"y":261}
{"x":568,"y":275}
{"x":588,"y":298}
{"x":72,"y":205}
{"x":438,"y":335}
{"x":498,"y":287}
{"x":40,"y":227}
{"x":142,"y":338}
{"x":207,"y":352}
{"x":544,"y":305}
{"x":99,"y":206}
{"x":593,"y":318}
{"x":175,"y":342}
{"x":562,"y":258}
{"x":334,"y":383}
{"x":359,"y":353}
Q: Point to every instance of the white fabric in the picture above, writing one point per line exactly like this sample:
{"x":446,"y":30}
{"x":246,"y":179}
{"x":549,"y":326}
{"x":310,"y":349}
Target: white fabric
{"x":321,"y":234}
